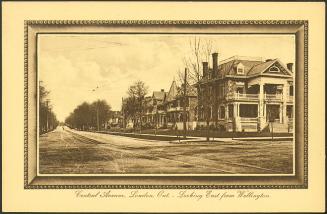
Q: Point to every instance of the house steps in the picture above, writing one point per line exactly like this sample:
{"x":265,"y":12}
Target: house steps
{"x":279,"y":127}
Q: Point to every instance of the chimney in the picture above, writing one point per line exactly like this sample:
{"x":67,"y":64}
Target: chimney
{"x":214,"y":64}
{"x":205,"y":68}
{"x":290,"y":66}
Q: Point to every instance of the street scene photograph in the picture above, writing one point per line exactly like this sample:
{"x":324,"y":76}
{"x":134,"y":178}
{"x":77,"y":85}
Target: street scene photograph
{"x":166,"y":104}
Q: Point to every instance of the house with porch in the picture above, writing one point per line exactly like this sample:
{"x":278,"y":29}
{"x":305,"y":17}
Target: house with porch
{"x":174,"y":106}
{"x":246,"y":94}
{"x":154,"y":112}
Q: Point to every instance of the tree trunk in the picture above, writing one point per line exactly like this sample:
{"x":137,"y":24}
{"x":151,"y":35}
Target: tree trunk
{"x":140,"y":123}
{"x":184,"y":105}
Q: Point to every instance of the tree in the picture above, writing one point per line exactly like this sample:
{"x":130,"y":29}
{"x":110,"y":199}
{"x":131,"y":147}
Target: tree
{"x":86,"y":116}
{"x":47,"y":119}
{"x":201,"y":51}
{"x":128,"y":109}
{"x":101,"y":111}
{"x":134,"y":104}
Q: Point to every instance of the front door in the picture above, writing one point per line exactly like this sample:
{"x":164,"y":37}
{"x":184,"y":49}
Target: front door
{"x":273,"y":113}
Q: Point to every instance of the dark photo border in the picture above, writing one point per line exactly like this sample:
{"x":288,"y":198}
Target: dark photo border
{"x":299,"y":28}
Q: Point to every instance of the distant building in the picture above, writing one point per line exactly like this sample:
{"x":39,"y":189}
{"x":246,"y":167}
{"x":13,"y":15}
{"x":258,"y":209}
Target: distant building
{"x":174,"y":104}
{"x":246,"y":94}
{"x":165,"y":109}
{"x":154,"y":114}
{"x":115,"y":120}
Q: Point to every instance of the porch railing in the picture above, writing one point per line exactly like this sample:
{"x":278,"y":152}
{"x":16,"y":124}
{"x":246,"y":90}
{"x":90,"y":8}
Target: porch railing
{"x":239,"y":96}
{"x":248,"y":119}
{"x":273,"y":97}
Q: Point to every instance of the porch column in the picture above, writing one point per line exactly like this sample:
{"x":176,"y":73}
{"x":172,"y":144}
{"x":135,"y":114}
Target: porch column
{"x":237,"y":121}
{"x":238,"y":110}
{"x":281,"y":109}
{"x":261,"y":107}
{"x":235,"y":110}
{"x":284,"y":106}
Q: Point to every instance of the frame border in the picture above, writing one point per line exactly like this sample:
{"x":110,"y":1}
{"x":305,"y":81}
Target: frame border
{"x":27,"y":23}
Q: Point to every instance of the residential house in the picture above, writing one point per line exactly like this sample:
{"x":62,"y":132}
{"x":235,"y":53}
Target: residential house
{"x":154,"y":113}
{"x":115,"y":119}
{"x":246,"y":94}
{"x":174,"y":104}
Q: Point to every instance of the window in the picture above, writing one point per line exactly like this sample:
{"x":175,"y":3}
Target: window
{"x":274,"y":69}
{"x":291,"y":90}
{"x":289,"y":111}
{"x":230,"y":111}
{"x":221,"y":112}
{"x":240,"y":90}
{"x":249,"y":110}
{"x":220,"y":90}
{"x":240,"y":68}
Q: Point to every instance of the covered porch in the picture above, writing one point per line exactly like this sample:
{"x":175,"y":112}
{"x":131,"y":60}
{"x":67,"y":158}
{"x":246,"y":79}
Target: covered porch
{"x":245,"y":116}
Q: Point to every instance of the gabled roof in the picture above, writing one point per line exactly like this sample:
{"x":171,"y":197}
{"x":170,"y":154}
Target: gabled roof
{"x":172,"y":91}
{"x":251,"y":68}
{"x":158,"y":95}
{"x":260,"y":68}
{"x":229,"y":68}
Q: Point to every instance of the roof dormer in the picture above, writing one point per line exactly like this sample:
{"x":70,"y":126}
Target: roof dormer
{"x":240,"y":69}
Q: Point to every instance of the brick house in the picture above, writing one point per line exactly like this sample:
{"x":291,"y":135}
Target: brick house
{"x":246,"y":94}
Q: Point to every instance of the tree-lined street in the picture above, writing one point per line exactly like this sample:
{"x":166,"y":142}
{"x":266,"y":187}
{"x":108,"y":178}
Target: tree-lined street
{"x":78,"y":152}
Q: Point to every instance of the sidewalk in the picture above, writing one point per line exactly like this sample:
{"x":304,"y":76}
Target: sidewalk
{"x":174,"y":138}
{"x":263,"y":138}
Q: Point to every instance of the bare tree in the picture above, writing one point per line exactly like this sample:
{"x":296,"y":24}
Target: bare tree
{"x":201,"y":50}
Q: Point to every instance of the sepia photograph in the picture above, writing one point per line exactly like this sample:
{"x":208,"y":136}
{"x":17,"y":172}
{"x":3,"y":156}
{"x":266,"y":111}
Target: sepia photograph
{"x":166,"y":104}
{"x":163,"y":107}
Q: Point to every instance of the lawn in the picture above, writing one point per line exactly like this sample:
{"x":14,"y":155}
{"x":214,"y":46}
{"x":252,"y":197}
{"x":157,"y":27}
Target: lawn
{"x":203,"y":133}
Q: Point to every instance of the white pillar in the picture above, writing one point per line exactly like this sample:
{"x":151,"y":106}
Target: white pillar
{"x":261,"y":107}
{"x":281,"y":113}
{"x":284,"y":106}
{"x":238,"y":125}
{"x":238,"y":110}
{"x":235,"y":110}
{"x":261,"y":100}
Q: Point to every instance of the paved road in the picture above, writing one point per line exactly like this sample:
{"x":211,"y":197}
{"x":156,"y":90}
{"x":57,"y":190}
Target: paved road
{"x":69,"y":151}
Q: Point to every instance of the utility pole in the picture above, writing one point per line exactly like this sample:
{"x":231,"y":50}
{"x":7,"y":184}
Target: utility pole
{"x":141,"y":113}
{"x":157,"y":119}
{"x":47,"y":112}
{"x":98,"y":116}
{"x":184,"y":103}
{"x":122,"y":111}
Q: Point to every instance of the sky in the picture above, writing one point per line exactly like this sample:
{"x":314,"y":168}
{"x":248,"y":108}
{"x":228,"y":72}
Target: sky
{"x":71,"y":66}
